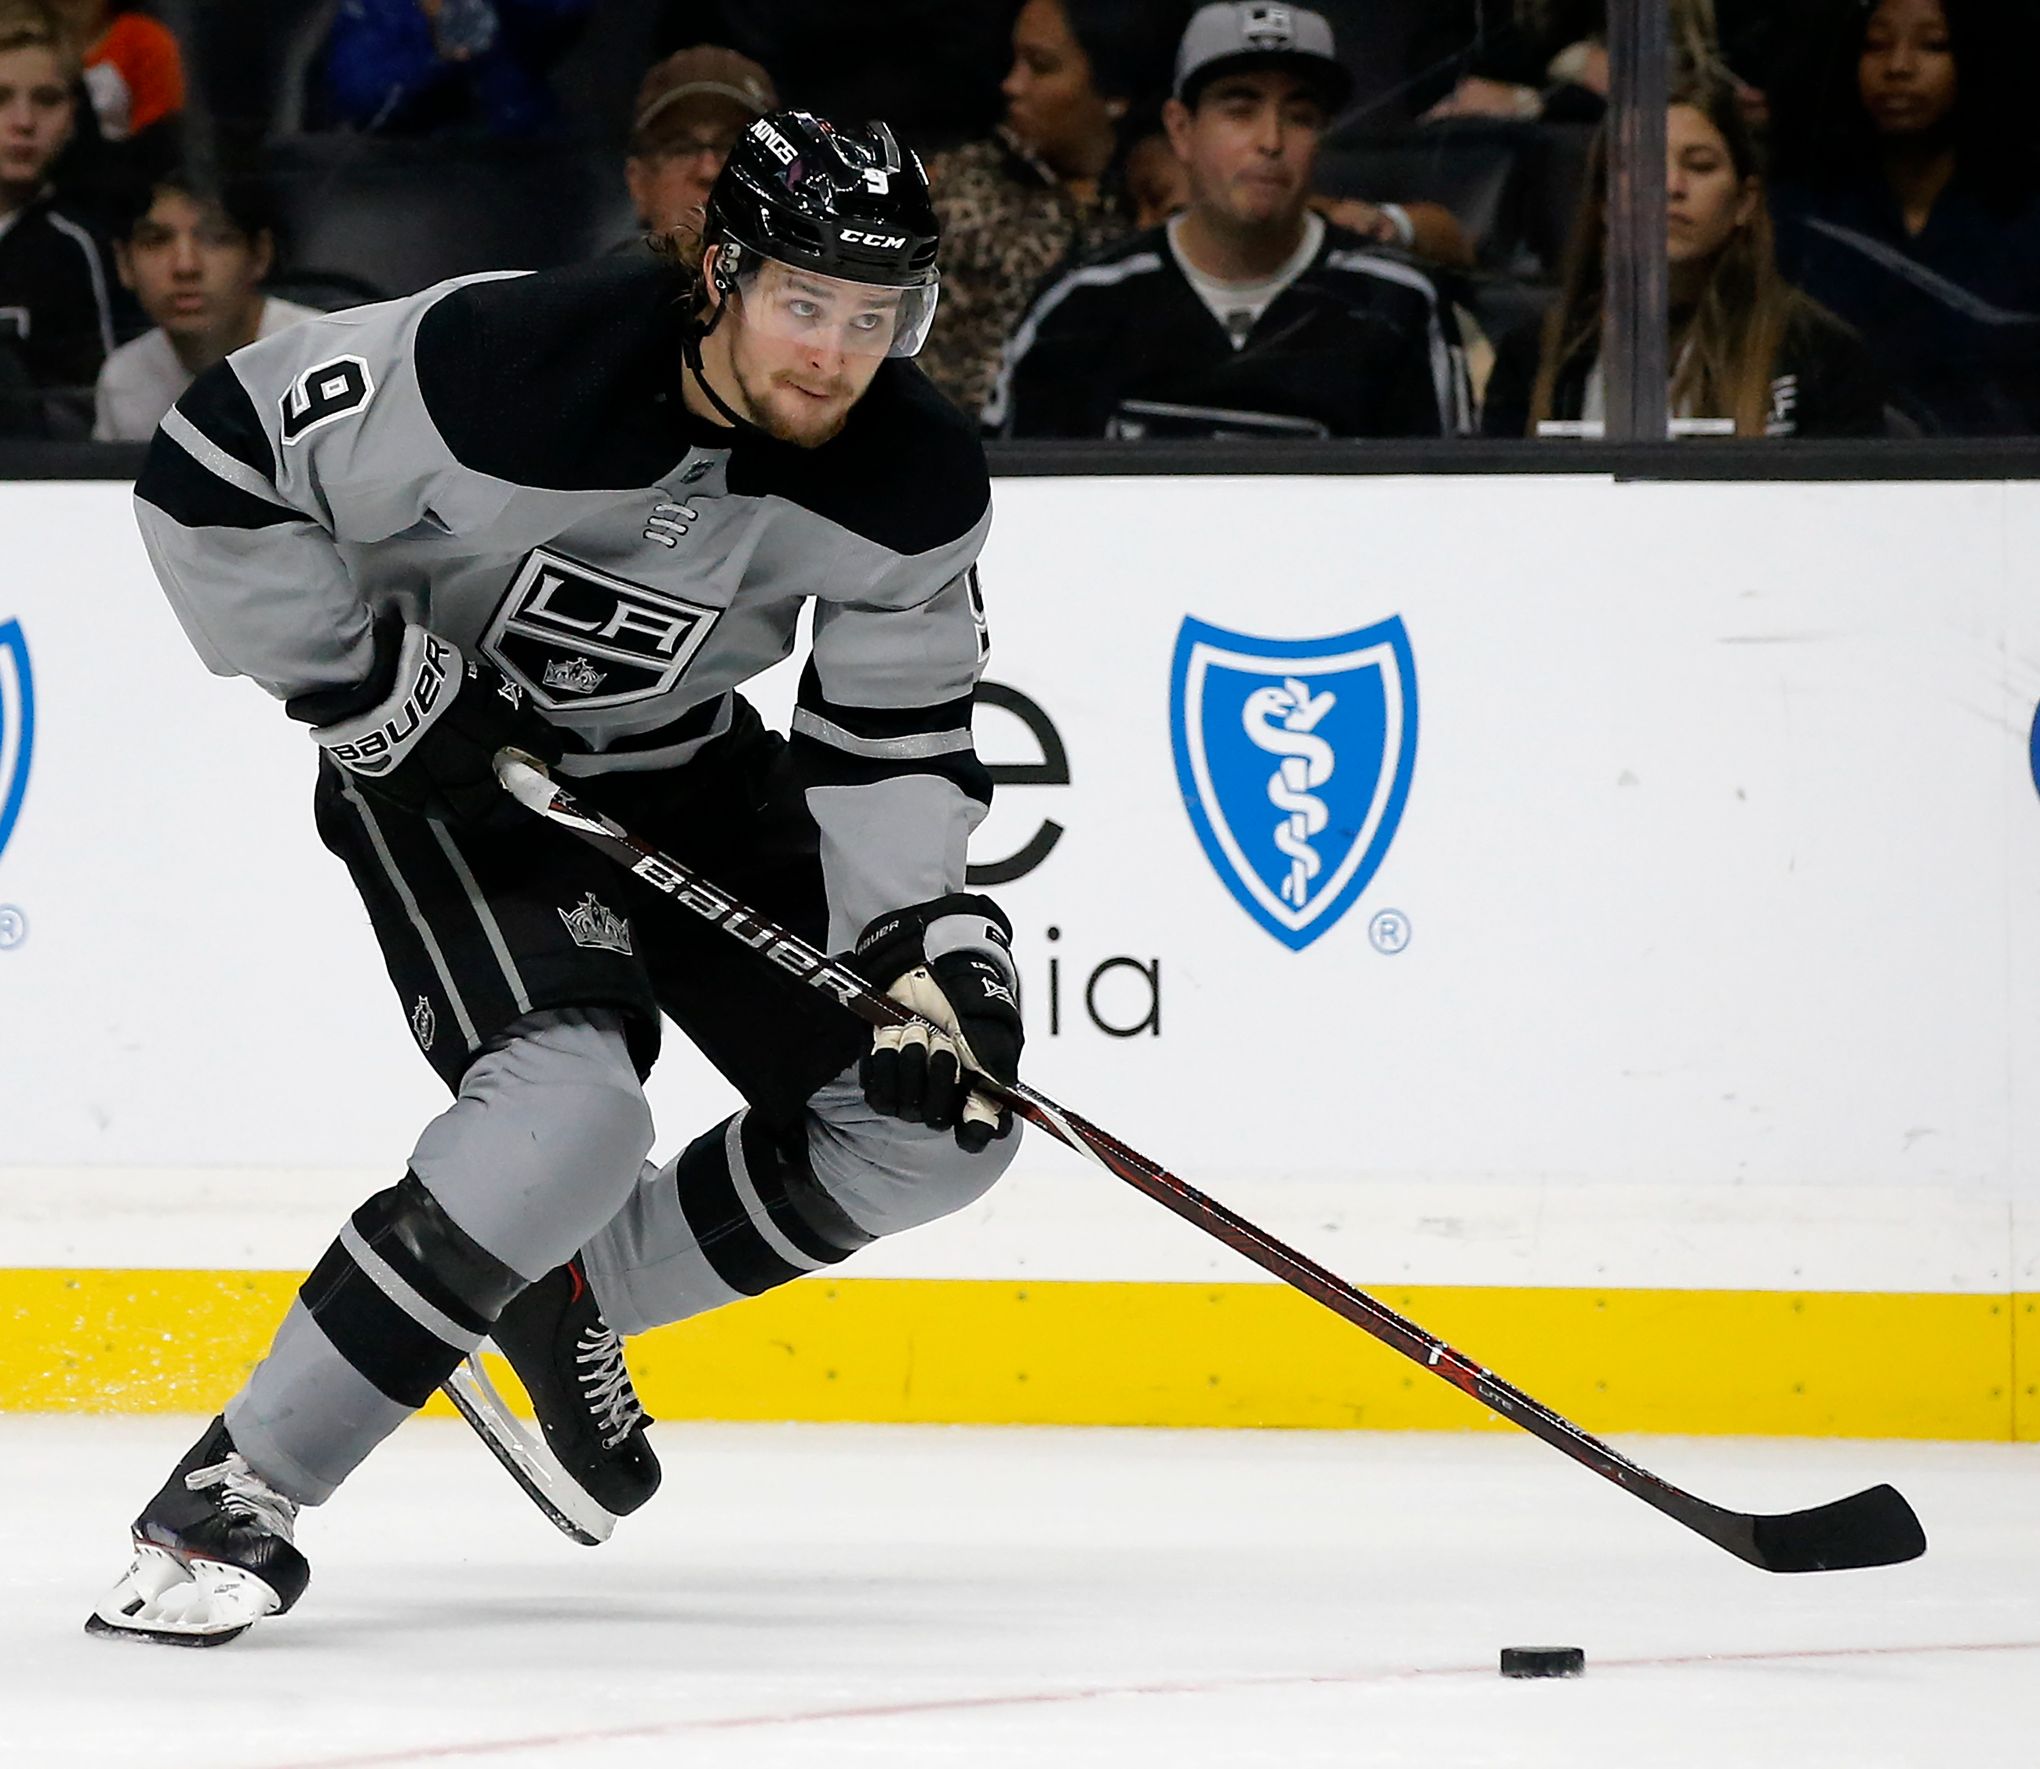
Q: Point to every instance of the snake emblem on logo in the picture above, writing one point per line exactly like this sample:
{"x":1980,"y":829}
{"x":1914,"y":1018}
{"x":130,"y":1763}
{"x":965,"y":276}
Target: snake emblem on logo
{"x":1294,"y":758}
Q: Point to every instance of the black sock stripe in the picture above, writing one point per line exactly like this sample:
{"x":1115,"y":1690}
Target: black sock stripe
{"x":438,"y":1258}
{"x":800,"y":1209}
{"x":403,"y":1359}
{"x":723,"y":1229}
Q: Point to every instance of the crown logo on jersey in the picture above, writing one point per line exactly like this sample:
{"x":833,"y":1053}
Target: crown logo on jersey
{"x":424,"y":1024}
{"x":574,"y":675}
{"x":598,"y":928}
{"x":1268,"y":27}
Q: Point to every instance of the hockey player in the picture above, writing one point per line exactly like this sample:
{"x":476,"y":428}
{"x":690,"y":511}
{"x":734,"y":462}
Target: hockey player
{"x":569,"y":514}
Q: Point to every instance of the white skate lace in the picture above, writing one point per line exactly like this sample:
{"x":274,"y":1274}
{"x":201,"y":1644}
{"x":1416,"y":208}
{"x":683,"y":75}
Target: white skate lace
{"x":612,"y":1402}
{"x":246,"y":1494}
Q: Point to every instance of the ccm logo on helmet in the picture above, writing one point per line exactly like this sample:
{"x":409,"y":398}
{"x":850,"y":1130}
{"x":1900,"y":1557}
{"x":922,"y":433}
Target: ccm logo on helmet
{"x":890,"y":242}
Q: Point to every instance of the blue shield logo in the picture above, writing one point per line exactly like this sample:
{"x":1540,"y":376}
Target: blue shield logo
{"x":1294,"y":757}
{"x":17,"y":725}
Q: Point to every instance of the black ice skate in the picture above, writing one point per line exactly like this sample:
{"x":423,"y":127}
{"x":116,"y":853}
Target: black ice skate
{"x":213,"y":1555}
{"x":592,"y":1464}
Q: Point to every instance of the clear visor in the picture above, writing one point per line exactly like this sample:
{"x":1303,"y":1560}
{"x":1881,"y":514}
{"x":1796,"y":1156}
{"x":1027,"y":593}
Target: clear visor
{"x":859,"y":319}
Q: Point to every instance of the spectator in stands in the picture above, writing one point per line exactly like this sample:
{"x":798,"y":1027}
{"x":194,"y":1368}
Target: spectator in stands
{"x":420,"y":67}
{"x":1157,"y":186}
{"x":1910,"y":204}
{"x":1746,"y":346}
{"x":690,"y":110}
{"x":1248,"y":314}
{"x":195,"y":258}
{"x":56,"y":303}
{"x":1049,"y":184}
{"x":134,"y":70}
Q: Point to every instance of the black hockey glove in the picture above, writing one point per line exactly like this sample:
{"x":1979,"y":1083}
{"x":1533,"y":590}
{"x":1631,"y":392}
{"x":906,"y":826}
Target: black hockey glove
{"x":423,"y":731}
{"x":951,"y":962}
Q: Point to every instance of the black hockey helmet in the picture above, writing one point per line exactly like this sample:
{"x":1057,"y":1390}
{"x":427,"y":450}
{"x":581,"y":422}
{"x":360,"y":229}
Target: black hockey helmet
{"x":850,"y":205}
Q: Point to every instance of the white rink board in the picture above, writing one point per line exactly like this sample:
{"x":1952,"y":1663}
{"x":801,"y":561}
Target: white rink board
{"x":1718,"y":865}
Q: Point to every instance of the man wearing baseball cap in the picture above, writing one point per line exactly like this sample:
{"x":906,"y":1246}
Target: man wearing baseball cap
{"x":691,"y":108}
{"x":1248,"y":314}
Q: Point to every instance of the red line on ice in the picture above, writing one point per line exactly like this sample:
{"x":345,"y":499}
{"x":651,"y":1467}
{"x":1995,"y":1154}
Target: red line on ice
{"x":960,"y":1704}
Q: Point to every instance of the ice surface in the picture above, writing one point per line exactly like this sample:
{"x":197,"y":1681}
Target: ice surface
{"x":983,"y":1598}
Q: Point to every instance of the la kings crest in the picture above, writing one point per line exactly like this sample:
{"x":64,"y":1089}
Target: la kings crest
{"x":574,"y":637}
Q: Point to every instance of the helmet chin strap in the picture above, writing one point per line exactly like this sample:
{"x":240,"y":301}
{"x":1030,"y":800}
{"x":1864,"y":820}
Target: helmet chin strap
{"x":691,"y":339}
{"x":690,"y":353}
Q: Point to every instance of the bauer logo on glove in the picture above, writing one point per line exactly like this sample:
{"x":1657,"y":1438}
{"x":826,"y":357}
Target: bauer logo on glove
{"x":375,"y":742}
{"x":947,"y":961}
{"x":423,"y":730}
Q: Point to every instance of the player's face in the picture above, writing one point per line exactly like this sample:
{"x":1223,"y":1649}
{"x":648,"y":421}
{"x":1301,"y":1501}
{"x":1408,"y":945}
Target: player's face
{"x":1706,"y":199}
{"x":1907,"y":70}
{"x":195,"y":273}
{"x":803,"y":348}
{"x":35,"y":116}
{"x":1249,"y":147}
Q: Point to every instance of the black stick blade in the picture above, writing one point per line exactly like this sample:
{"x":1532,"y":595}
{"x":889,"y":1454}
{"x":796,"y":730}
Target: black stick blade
{"x":1875,"y":1527}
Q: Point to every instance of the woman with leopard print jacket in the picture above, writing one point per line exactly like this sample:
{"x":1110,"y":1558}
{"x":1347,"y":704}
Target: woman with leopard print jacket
{"x":1046,"y":185}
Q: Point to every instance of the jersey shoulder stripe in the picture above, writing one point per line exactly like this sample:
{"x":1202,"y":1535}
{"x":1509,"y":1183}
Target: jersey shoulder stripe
{"x":220,"y":408}
{"x":1361,"y":262}
{"x":1112,"y":268}
{"x":209,"y":464}
{"x":565,"y":380}
{"x":176,"y":482}
{"x":95,"y":271}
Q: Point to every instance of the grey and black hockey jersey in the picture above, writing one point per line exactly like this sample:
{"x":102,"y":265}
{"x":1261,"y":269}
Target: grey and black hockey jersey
{"x":508,"y":461}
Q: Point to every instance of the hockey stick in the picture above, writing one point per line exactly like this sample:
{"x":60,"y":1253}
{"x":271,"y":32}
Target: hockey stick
{"x":1875,"y":1527}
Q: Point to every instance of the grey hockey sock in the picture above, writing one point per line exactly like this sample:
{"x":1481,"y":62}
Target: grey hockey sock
{"x":399,"y":1298}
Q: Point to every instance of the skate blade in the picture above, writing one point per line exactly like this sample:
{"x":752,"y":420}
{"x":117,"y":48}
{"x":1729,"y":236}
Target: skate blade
{"x":165,"y":1601}
{"x":527,"y":1456}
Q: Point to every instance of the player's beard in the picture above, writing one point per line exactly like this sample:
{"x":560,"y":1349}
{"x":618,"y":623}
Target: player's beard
{"x":785,"y":413}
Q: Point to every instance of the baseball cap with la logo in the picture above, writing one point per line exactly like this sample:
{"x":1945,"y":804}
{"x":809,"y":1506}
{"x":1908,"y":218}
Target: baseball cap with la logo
{"x":1234,"y":35}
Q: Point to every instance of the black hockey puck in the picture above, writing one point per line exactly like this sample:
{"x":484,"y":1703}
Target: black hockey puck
{"x":1543,"y":1661}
